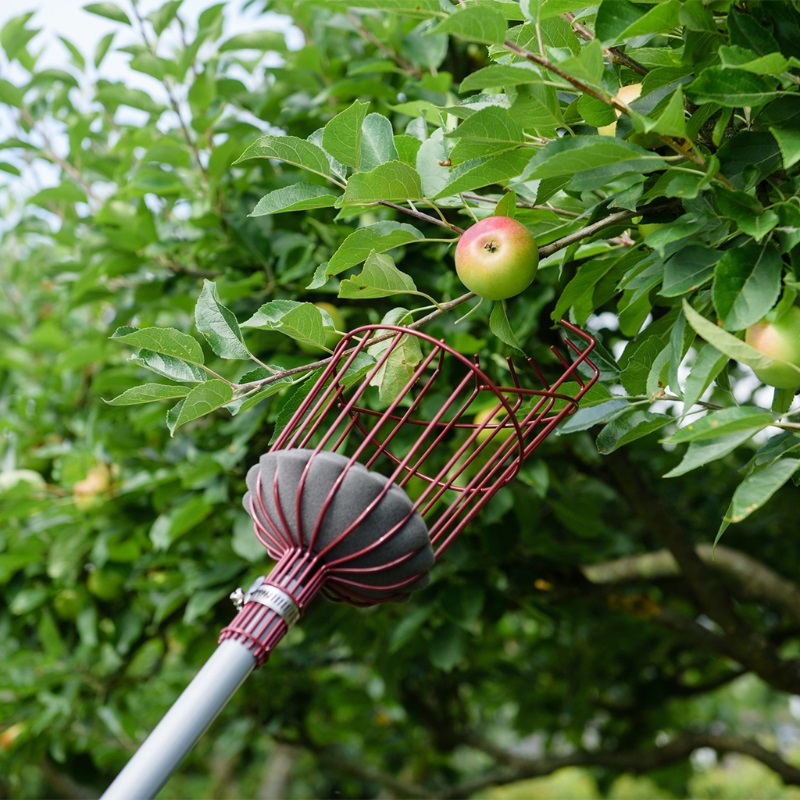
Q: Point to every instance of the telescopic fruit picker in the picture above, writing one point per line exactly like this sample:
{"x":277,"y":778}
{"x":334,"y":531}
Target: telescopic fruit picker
{"x":379,"y":469}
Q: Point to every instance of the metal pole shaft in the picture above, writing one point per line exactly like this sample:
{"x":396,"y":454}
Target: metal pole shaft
{"x":181,"y":727}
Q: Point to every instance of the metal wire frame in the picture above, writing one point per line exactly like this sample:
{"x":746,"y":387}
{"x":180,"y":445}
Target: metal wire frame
{"x":423,"y":436}
{"x":483,"y":455}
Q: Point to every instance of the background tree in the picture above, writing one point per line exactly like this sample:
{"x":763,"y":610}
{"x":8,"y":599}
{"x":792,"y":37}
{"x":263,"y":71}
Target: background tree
{"x":160,"y":283}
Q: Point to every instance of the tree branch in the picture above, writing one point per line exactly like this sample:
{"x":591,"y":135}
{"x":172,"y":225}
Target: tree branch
{"x":637,"y":761}
{"x":753,"y":578}
{"x":749,"y":647}
{"x":681,"y":147}
{"x":613,"y":54}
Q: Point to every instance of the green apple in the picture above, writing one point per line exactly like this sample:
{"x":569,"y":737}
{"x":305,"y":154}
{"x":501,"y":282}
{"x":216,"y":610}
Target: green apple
{"x":94,"y":489}
{"x":106,"y":583}
{"x":9,"y":735}
{"x":779,"y":340}
{"x":68,"y":603}
{"x":497,"y":258}
{"x":500,"y":436}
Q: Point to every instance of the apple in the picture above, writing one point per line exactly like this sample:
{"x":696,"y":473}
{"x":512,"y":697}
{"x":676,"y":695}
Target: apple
{"x":497,"y":437}
{"x":94,"y":489}
{"x":490,"y":439}
{"x":106,"y":583}
{"x":626,"y":94}
{"x":497,"y":258}
{"x":779,"y":340}
{"x":10,"y":734}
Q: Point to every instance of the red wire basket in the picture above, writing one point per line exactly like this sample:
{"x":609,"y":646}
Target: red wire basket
{"x":395,"y":409}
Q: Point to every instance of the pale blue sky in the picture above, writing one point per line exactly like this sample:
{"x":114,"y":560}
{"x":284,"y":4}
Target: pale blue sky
{"x":67,"y":18}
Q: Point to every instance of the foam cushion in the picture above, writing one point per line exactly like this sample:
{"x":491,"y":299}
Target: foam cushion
{"x":333,"y":496}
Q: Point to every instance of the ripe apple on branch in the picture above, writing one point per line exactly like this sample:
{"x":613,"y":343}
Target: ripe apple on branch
{"x":497,"y":258}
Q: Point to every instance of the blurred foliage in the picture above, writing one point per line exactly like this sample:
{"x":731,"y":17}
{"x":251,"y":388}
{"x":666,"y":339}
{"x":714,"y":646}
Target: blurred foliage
{"x":372,"y":132}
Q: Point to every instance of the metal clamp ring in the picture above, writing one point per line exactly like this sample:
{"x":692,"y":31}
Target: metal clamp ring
{"x":270,"y":596}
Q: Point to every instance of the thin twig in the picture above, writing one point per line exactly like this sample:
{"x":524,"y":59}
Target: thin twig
{"x":614,"y":54}
{"x":383,"y":47}
{"x":681,"y":147}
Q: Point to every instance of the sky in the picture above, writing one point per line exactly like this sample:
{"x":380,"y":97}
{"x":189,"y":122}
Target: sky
{"x":67,"y":18}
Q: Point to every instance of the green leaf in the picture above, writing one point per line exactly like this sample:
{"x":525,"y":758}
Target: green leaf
{"x":756,"y":489}
{"x":591,"y":160}
{"x":672,"y":120}
{"x":723,"y":422}
{"x":377,"y":142}
{"x":161,"y":17}
{"x":628,"y":428}
{"x":113,"y":95}
{"x":585,"y":418}
{"x":615,"y":16}
{"x":380,"y":237}
{"x":500,"y":76}
{"x":11,"y":95}
{"x":102,"y":48}
{"x":746,"y":212}
{"x":688,"y":269}
{"x":481,"y":172}
{"x":395,"y":181}
{"x":487,"y":132}
{"x":255,"y":40}
{"x":301,"y":321}
{"x":424,"y":8}
{"x":218,"y":324}
{"x":732,"y":88}
{"x":379,"y":278}
{"x":341,"y":137}
{"x":14,"y":36}
{"x":620,"y":20}
{"x":579,"y":293}
{"x":166,"y":341}
{"x":393,"y":375}
{"x":290,"y":149}
{"x":169,"y":367}
{"x":789,"y":143}
{"x":595,"y":112}
{"x":297,"y":197}
{"x":725,"y":342}
{"x":171,"y":525}
{"x":202,"y":400}
{"x":109,"y":11}
{"x":475,"y":24}
{"x":747,"y":282}
{"x":743,"y":58}
{"x":708,"y":363}
{"x":407,"y":147}
{"x":431,"y":158}
{"x":147,"y":393}
{"x":448,"y":647}
{"x":637,"y":366}
{"x":587,"y":66}
{"x":536,"y":107}
{"x":698,"y":454}
{"x":746,"y":31}
{"x":506,"y":206}
{"x":501,"y":327}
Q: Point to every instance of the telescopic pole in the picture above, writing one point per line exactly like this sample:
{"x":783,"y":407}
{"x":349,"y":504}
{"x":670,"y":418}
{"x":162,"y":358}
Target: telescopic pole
{"x":181,"y":727}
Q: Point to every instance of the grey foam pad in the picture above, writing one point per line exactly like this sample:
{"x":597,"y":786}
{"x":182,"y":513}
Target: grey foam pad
{"x":316,"y":511}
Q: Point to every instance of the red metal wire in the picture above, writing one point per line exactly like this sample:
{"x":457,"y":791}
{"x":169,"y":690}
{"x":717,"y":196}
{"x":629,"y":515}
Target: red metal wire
{"x":423,"y":437}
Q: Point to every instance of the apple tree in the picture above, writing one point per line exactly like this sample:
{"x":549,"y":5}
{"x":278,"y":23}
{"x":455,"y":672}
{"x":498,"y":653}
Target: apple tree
{"x":183,"y":246}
